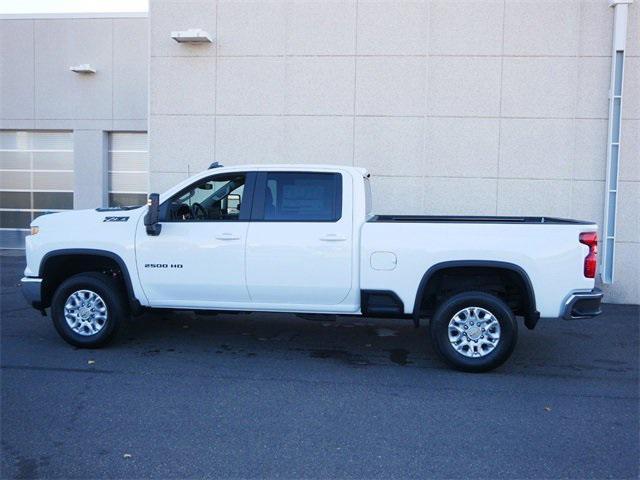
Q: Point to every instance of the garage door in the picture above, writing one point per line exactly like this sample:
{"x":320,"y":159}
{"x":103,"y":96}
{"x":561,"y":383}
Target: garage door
{"x":128,"y":169}
{"x":36,"y":177}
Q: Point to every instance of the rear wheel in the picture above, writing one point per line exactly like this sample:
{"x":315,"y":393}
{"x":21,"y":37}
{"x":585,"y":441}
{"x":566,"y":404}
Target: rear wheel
{"x":87,"y":309}
{"x":474,"y":331}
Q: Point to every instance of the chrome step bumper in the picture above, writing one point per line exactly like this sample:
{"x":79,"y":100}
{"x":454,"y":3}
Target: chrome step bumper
{"x":581,"y":305}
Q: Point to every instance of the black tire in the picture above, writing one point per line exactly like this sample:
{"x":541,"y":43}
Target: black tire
{"x":439,"y":329}
{"x":112,"y":294}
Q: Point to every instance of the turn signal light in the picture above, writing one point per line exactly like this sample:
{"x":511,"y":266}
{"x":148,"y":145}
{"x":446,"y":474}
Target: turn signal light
{"x":590,"y":239}
{"x":35,"y":230}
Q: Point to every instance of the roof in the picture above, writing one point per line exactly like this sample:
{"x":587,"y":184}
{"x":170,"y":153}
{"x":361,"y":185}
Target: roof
{"x":296,"y":166}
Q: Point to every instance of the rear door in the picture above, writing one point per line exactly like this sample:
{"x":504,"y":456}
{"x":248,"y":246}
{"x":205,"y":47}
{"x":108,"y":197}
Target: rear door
{"x":300,"y":239}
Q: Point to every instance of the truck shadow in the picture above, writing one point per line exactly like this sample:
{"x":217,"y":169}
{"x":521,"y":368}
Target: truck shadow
{"x":354,"y":341}
{"x":555,"y":348}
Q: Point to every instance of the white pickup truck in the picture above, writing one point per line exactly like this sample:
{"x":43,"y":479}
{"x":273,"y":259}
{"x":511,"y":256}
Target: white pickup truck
{"x":304,"y":239}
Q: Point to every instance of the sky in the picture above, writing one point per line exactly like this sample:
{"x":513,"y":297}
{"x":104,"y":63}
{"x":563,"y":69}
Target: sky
{"x":72,"y":6}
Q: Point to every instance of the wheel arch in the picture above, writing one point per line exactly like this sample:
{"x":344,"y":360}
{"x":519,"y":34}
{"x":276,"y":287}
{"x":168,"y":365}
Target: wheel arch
{"x":530,"y":313}
{"x":95,"y":258}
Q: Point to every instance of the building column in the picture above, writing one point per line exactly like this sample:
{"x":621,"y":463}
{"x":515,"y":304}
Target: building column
{"x":90,"y":161}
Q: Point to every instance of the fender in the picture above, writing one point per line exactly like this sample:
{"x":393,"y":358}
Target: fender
{"x":134,"y":303}
{"x":531,"y":316}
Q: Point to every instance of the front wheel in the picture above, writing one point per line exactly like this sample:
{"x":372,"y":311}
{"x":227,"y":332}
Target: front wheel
{"x":87,"y":308}
{"x":474,"y":331}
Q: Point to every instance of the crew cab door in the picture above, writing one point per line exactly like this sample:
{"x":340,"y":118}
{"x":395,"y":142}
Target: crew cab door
{"x":198,"y":259}
{"x":300,"y":239}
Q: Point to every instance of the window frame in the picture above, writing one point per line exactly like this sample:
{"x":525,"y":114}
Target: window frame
{"x":245,"y":213}
{"x":257,"y":211}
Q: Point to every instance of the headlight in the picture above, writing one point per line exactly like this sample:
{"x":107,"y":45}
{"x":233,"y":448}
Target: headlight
{"x":35,"y":230}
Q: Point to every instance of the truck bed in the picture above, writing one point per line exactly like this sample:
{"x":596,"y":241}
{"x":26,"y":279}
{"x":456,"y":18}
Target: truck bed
{"x":473,"y":219}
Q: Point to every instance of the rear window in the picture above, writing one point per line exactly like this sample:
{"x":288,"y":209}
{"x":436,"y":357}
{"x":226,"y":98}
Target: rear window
{"x":300,"y":196}
{"x":368,"y":203}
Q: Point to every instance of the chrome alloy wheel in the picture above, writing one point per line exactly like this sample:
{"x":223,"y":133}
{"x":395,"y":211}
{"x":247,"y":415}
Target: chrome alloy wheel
{"x":85,"y":312}
{"x":474,"y":332}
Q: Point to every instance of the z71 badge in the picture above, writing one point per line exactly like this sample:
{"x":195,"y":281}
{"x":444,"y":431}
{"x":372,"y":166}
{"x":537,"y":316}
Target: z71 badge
{"x":116,"y":219}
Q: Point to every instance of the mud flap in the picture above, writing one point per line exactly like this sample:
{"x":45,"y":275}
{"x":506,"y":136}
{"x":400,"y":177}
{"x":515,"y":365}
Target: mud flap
{"x":531,"y":320}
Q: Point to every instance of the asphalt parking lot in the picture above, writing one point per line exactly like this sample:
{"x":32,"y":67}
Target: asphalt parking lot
{"x":228,"y":396}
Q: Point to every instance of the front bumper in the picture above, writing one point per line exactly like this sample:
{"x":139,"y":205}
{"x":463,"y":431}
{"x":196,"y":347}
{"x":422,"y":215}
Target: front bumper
{"x":581,"y":305}
{"x":32,"y":290}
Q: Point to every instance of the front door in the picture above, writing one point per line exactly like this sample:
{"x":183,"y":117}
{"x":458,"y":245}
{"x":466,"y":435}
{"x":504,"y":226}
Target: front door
{"x":198,"y":260}
{"x":300,"y":240}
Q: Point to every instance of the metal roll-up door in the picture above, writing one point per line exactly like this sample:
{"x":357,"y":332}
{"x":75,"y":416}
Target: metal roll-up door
{"x":36,"y":177}
{"x":128,"y":169}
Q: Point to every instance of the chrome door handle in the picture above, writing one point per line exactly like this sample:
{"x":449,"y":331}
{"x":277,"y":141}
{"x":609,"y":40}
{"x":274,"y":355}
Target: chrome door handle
{"x":332,"y":237}
{"x":227,"y":236}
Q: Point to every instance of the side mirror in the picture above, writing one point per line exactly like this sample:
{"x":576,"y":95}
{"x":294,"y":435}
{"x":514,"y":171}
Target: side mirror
{"x":152,"y":216}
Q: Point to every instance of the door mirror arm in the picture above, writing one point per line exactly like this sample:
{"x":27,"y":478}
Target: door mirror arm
{"x":151,"y":219}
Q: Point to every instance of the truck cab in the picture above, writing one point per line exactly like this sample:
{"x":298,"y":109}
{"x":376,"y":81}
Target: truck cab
{"x":274,"y":239}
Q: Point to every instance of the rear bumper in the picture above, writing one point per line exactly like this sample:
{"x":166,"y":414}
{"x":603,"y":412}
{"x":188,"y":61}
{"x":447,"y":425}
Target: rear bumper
{"x":581,"y":305}
{"x":32,"y":290}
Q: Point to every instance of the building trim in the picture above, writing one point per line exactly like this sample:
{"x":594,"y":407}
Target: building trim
{"x":614,"y":139}
{"x":58,"y":16}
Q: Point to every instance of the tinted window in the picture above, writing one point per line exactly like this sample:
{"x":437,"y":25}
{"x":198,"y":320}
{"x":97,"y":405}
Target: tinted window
{"x":311,"y":197}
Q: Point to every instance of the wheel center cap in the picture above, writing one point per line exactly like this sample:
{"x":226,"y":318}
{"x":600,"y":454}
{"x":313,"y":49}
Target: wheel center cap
{"x":474,"y":332}
{"x":85,"y":312}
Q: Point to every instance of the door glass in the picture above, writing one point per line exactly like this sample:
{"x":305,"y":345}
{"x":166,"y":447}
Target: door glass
{"x":300,"y":197}
{"x":217,"y":198}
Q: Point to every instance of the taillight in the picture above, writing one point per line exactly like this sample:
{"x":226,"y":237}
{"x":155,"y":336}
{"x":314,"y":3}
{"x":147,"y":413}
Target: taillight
{"x":590,"y":239}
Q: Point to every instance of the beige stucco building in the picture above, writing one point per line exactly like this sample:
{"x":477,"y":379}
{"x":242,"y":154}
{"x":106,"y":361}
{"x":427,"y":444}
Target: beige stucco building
{"x":456,"y":107}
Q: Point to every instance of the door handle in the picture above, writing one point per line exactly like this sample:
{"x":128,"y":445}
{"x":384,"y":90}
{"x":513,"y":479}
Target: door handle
{"x":227,"y":236}
{"x":333,"y":237}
